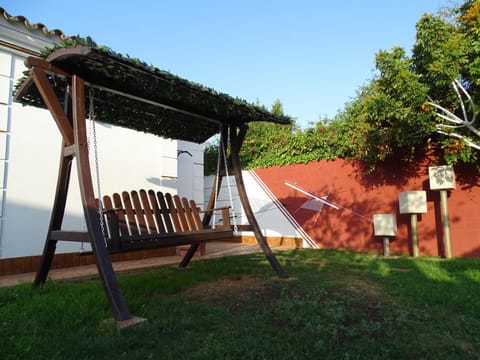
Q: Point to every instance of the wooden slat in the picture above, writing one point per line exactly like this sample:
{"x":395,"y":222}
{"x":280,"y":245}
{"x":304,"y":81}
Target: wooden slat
{"x":137,"y":205}
{"x":181,"y":213}
{"x":173,"y":213}
{"x":196,"y":215}
{"x":148,"y":212}
{"x":176,"y":239}
{"x":226,"y":217}
{"x":129,"y":212}
{"x":189,"y":214}
{"x":111,"y":217}
{"x":122,"y":221}
{"x":244,"y":228}
{"x":76,"y":236}
{"x":107,"y":209}
{"x":156,"y":211}
{"x":165,"y":212}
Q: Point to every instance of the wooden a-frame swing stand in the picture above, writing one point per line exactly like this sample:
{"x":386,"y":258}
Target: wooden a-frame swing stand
{"x":71,"y":121}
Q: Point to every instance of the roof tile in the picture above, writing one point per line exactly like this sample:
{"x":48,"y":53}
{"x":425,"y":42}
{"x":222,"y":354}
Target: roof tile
{"x":31,"y":27}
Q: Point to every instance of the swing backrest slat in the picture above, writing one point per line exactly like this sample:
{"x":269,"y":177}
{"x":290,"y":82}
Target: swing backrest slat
{"x":122,"y":221}
{"x":139,"y":213}
{"x":173,"y":213}
{"x":166,"y":215}
{"x":182,"y":219}
{"x":157,"y":213}
{"x":148,"y":212}
{"x":130,"y":214}
{"x":189,"y":215}
{"x":111,"y":222}
{"x":108,"y":215}
{"x":196,"y":215}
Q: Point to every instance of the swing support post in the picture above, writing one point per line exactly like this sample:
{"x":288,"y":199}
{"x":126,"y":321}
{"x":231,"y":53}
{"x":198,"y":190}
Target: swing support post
{"x":236,"y":140}
{"x":236,"y":136}
{"x":90,"y":209}
{"x":75,"y":124}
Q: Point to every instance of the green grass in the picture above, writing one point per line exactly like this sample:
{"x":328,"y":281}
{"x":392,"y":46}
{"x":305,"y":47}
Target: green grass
{"x":341,"y":305}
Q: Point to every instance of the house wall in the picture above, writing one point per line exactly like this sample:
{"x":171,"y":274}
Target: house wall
{"x":190,"y":181}
{"x":272,"y":222}
{"x":30,"y":145}
{"x":359,"y":195}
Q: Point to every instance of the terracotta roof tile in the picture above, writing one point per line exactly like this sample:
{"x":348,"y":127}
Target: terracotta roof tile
{"x":31,"y":27}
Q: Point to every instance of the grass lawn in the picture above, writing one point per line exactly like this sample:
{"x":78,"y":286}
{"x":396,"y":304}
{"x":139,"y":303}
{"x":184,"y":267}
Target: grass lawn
{"x":340,"y":305}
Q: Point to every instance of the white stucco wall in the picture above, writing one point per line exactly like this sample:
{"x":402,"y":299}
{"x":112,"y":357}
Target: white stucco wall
{"x":190,"y":171}
{"x":269,"y":217}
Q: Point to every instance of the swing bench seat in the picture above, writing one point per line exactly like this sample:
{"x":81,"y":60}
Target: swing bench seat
{"x":145,"y":219}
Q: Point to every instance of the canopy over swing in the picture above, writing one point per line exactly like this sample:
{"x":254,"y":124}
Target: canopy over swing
{"x":130,"y":94}
{"x":139,"y":97}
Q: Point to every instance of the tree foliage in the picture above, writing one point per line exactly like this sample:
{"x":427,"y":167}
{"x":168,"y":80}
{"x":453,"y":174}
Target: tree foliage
{"x":390,"y":117}
{"x":448,"y":48}
{"x":387,"y":116}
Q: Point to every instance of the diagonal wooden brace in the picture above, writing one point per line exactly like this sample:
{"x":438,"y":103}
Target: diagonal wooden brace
{"x":53,"y":104}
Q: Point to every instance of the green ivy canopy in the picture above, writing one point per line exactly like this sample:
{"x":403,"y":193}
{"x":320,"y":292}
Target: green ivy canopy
{"x":128,"y":93}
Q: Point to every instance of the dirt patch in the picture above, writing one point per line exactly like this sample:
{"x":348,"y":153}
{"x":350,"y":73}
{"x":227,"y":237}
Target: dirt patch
{"x":230,"y":285}
{"x":236,"y":293}
{"x":363,"y":287}
{"x":247,"y":288}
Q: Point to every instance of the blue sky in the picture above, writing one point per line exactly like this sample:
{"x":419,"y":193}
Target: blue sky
{"x":312,"y":55}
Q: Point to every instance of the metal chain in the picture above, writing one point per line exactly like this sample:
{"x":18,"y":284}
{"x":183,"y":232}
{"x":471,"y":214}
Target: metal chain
{"x":92,"y":118}
{"x":217,"y":192}
{"x":235,"y":227}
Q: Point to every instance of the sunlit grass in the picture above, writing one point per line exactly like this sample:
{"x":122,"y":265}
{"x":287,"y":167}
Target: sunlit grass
{"x":340,"y":304}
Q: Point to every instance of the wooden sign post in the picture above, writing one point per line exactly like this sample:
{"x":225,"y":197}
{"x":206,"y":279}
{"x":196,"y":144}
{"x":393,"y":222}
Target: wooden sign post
{"x":385,"y":225}
{"x":442,"y":179}
{"x":413,"y":203}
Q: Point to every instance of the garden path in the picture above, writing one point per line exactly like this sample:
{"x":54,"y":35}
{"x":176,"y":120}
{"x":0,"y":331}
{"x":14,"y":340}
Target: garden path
{"x":213,"y":250}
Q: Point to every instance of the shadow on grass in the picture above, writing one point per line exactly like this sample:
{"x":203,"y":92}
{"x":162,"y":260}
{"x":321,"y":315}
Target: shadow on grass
{"x":342,"y":304}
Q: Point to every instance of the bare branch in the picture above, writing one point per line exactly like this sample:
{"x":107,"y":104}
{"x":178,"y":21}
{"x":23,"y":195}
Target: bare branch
{"x":450,"y":117}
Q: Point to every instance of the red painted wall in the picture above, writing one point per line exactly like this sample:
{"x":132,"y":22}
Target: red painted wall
{"x":360,"y":195}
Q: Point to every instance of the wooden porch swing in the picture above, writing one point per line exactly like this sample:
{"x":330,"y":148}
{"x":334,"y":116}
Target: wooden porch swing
{"x":143,"y":98}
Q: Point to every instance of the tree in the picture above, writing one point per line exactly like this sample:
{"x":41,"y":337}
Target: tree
{"x":387,"y":115}
{"x":447,"y":52}
{"x":265,"y":141}
{"x":468,"y":16}
{"x":261,"y":141}
{"x":277,"y":108}
{"x":210,"y":156}
{"x":438,"y":55}
{"x":390,"y":116}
